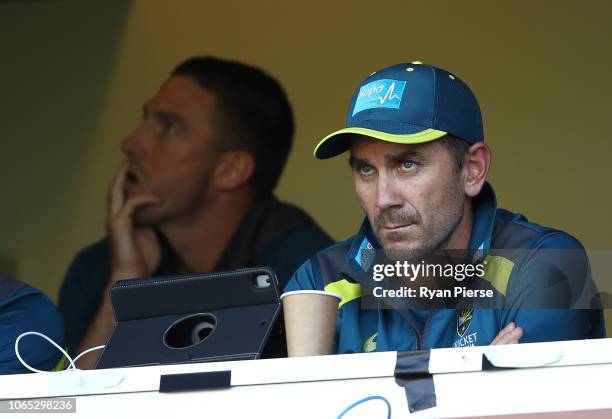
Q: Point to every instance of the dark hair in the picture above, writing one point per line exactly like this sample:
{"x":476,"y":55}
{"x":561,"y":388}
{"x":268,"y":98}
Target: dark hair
{"x":252,"y":113}
{"x":457,"y":148}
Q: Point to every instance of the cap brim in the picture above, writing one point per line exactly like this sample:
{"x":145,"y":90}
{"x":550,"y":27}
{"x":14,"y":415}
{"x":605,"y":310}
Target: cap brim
{"x":340,"y":141}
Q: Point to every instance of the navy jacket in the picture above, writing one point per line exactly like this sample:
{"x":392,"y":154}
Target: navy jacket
{"x":539,"y":273}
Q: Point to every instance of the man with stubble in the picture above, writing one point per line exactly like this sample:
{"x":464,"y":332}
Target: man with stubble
{"x":194,"y":194}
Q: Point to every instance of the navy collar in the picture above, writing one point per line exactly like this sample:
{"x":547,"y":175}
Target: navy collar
{"x":485,"y":211}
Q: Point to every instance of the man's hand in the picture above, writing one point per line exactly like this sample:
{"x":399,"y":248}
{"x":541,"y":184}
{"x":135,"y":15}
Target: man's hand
{"x":508,"y":335}
{"x":135,"y":252}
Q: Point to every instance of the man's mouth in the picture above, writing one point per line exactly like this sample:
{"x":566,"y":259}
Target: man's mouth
{"x":133,"y":182}
{"x":396,"y":227}
{"x":132,"y":177}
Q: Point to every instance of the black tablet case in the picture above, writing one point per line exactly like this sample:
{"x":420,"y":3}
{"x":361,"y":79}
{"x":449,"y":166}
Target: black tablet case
{"x":146,"y":308}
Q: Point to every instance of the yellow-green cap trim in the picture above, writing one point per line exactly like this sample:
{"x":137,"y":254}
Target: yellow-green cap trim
{"x":424,"y":136}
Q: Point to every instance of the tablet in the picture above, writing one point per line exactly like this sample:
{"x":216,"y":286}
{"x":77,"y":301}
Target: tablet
{"x":218,"y":316}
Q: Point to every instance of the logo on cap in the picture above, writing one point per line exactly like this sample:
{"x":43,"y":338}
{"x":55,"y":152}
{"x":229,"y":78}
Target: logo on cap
{"x":385,"y":93}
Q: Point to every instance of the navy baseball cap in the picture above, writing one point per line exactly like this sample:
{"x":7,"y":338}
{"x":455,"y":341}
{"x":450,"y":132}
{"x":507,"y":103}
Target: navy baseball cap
{"x":409,"y":104}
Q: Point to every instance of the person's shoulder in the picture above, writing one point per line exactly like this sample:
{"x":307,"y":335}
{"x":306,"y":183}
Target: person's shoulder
{"x":92,"y":260}
{"x":535,"y":262}
{"x":336,"y":250}
{"x":32,"y":302}
{"x":27,"y":309}
{"x":287,"y":235}
{"x":310,"y":274}
{"x":94,"y":252}
{"x":332,"y":255}
{"x":36,"y":305}
{"x":87,"y":273}
{"x":515,"y":231}
{"x":291,"y":218}
{"x":525,"y":249}
{"x":11,"y":290}
{"x":309,"y":238}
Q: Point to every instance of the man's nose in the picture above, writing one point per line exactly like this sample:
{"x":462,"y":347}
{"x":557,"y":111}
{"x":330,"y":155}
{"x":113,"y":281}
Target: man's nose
{"x":136,"y":143}
{"x":388,"y":192}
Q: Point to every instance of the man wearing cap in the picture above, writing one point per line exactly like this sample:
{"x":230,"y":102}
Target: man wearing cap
{"x":415,"y":137}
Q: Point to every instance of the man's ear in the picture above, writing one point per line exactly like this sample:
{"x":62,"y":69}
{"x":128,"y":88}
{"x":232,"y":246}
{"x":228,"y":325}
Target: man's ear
{"x":233,"y":170}
{"x":476,"y":167}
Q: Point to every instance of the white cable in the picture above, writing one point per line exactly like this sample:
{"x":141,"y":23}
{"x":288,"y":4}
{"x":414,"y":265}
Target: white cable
{"x":25,"y":364}
{"x":95,"y":348}
{"x":72,"y":365}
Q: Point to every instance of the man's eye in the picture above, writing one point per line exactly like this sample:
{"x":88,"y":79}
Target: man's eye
{"x":408,"y":166}
{"x":170,"y":129}
{"x":365,"y":170}
{"x":167,"y":128}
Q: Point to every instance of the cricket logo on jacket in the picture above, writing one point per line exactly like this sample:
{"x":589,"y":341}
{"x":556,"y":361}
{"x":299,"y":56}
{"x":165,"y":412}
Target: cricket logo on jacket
{"x":464,"y":319}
